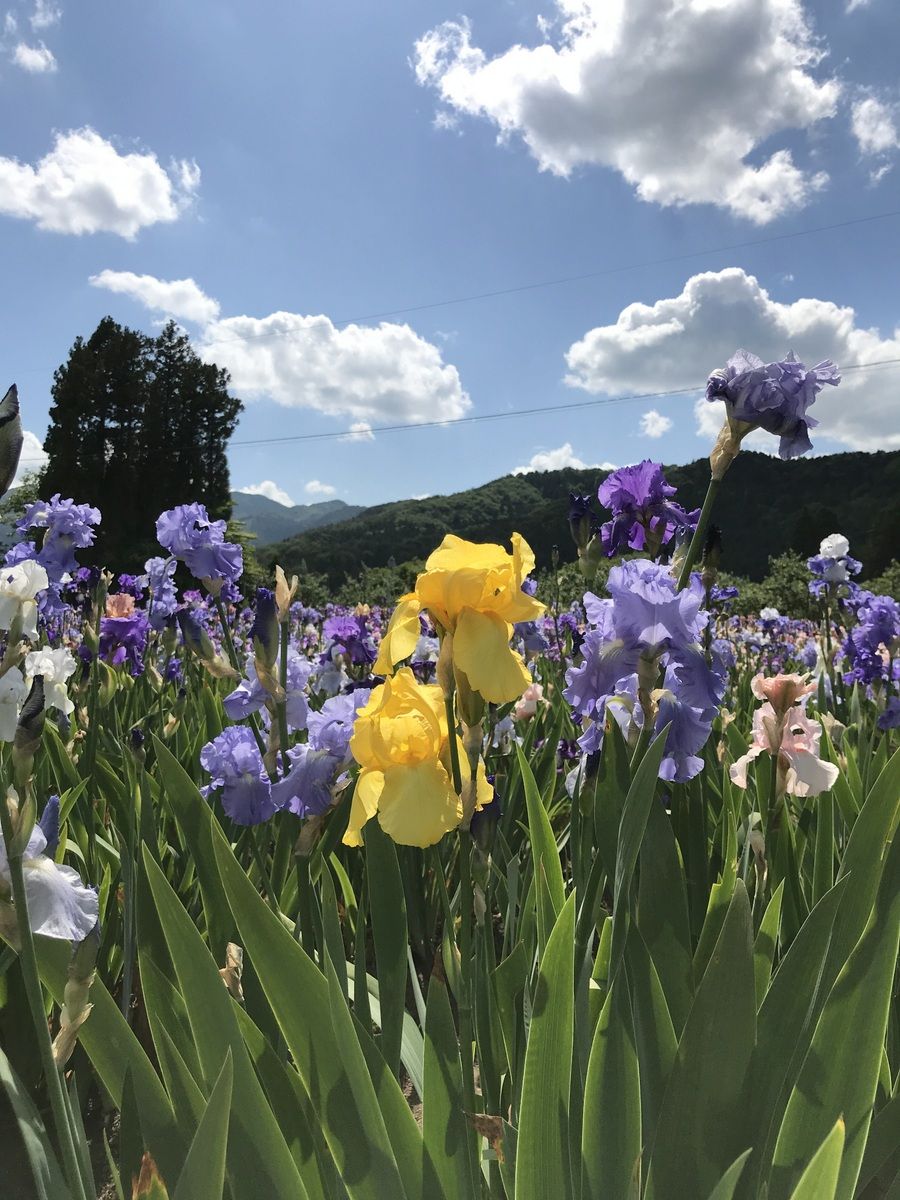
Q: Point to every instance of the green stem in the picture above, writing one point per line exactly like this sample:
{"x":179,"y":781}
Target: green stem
{"x":699,"y":539}
{"x":282,"y":707}
{"x":35,"y":997}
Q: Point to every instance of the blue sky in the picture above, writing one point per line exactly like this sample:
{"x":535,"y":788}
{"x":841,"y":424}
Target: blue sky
{"x":265,"y":173}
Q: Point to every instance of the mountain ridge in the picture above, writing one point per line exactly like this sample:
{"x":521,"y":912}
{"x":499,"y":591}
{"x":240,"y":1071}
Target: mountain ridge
{"x":854,"y":493}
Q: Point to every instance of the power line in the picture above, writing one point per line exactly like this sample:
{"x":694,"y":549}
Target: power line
{"x":545,"y":283}
{"x":478,"y":418}
{"x":360,"y":435}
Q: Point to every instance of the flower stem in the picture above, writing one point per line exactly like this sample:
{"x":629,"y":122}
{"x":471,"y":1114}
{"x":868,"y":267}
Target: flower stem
{"x":282,"y":707}
{"x":698,"y":540}
{"x":32,"y":981}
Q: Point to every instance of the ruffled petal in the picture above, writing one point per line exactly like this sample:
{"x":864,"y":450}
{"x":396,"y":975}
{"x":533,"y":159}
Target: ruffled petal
{"x":59,"y":905}
{"x":366,"y":794}
{"x":401,"y":635}
{"x":418,"y":804}
{"x":481,"y":649}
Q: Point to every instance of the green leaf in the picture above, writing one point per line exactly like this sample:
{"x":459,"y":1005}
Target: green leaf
{"x":542,"y":1166}
{"x":611,"y":1136}
{"x":387,"y":907}
{"x":113,"y":1050}
{"x":49,"y":1183}
{"x":764,"y":946}
{"x":203,"y":1174}
{"x":631,"y":833}
{"x":448,"y":1137}
{"x":655,"y":1037}
{"x":300,"y":998}
{"x":840,"y":1073}
{"x":785,"y":1027}
{"x":662,"y":914}
{"x":699,"y":1130}
{"x":725,"y":1188}
{"x":543,"y":844}
{"x":258,"y":1157}
{"x":820,"y":1179}
{"x":882,"y":1143}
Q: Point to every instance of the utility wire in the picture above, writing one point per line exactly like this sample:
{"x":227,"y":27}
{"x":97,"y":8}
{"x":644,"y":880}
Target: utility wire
{"x":603,"y":401}
{"x":478,"y":418}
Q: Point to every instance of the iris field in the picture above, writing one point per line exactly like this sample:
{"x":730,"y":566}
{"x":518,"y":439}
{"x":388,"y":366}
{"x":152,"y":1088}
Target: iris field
{"x":477,"y":897}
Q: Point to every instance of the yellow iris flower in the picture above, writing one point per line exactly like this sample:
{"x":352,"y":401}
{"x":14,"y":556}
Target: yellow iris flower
{"x":400,"y":741}
{"x":474,"y":592}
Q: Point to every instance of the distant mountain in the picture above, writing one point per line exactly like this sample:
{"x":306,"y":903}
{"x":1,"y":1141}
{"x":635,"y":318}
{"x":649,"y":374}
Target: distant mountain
{"x":271,"y":521}
{"x":764,"y":508}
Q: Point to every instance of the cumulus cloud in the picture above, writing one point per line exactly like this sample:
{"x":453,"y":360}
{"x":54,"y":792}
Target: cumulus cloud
{"x":45,"y":15}
{"x":181,"y":298}
{"x":33,"y":457}
{"x":654,"y":424}
{"x":36,"y":59}
{"x":386,"y":373}
{"x":557,"y":460}
{"x":648,"y":88}
{"x":85,"y":185}
{"x":874,"y":125}
{"x":360,"y":431}
{"x":315,"y":487}
{"x":675,"y":342}
{"x":270,"y":490}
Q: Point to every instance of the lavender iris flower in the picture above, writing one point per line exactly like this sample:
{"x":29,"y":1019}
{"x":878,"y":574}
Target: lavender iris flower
{"x":250,"y":696}
{"x":890,"y":718}
{"x":163,"y":592}
{"x":306,"y":789}
{"x":124,"y":639}
{"x":647,"y":622}
{"x":871,"y":643}
{"x":644,"y":514}
{"x":772,"y":396}
{"x":233,"y":760}
{"x":331,"y":727}
{"x":187,"y":533}
{"x":350,"y":635}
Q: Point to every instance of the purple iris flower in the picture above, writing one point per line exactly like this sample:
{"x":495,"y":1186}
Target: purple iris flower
{"x":331,"y":727}
{"x":306,"y":789}
{"x":642,"y":508}
{"x":351,"y":635}
{"x":890,"y":718}
{"x":877,"y":630}
{"x":773,"y":396}
{"x":159,"y":579}
{"x":233,"y":760}
{"x":250,"y":696}
{"x":647,"y":621}
{"x":187,"y":533}
{"x":69,"y":527}
{"x":124,"y":639}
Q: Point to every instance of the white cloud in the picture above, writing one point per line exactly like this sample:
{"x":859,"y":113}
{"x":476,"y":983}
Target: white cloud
{"x":386,"y":373}
{"x":84,"y":185}
{"x":558,"y":459}
{"x":874,"y":127}
{"x":44,"y":15}
{"x":654,"y":424}
{"x":36,"y":59}
{"x":853,"y":5}
{"x":675,"y":342}
{"x":316,"y":488}
{"x":360,"y":431}
{"x":33,"y":456}
{"x":673,"y":94}
{"x":10,"y":24}
{"x":270,"y":490}
{"x":181,"y":298}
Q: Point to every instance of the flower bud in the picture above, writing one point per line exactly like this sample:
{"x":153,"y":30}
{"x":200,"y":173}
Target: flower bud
{"x":28,"y":732}
{"x":75,"y":1007}
{"x":284,"y":593}
{"x":197,"y":641}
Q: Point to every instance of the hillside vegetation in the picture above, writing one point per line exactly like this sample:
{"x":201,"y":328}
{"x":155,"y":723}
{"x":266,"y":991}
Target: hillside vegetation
{"x":766,"y":508}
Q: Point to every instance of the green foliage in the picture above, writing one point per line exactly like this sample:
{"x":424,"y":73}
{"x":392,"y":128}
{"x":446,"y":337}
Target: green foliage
{"x":137,"y":425}
{"x":536,"y":505}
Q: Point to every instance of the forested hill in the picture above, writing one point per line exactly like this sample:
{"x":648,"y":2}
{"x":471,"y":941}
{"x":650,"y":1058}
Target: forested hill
{"x":764,"y":508}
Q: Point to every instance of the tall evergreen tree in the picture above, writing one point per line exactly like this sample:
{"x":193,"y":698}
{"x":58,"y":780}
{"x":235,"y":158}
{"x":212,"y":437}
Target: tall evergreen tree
{"x":137,"y":425}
